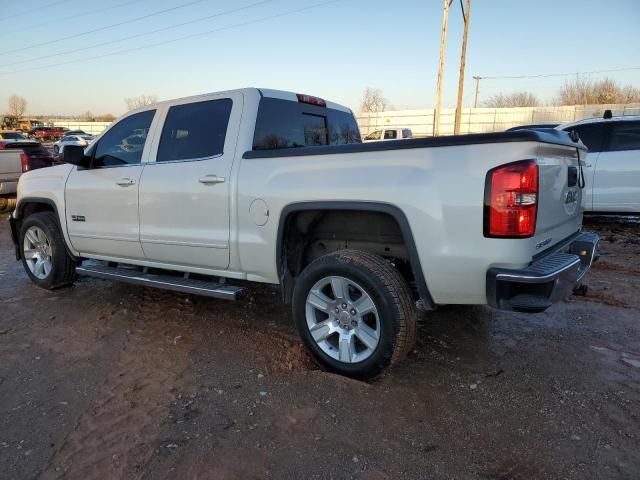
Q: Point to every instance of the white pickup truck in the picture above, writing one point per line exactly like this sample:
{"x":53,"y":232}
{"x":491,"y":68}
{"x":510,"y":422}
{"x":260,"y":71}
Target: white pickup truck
{"x":202,"y":194}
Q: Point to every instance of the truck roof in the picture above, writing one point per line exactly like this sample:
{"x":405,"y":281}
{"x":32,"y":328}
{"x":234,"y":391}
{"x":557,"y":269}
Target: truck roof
{"x":622,"y":118}
{"x":262,"y":92}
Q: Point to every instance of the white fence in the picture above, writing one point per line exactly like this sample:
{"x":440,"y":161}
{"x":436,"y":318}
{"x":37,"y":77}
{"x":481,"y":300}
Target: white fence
{"x":480,"y":120}
{"x":93,"y":128}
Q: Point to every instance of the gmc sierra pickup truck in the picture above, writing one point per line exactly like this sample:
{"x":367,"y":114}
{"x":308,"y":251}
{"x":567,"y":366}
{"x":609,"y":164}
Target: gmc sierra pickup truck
{"x":207,"y":193}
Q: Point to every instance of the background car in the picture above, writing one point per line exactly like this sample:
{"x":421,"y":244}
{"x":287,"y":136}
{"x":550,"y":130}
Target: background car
{"x":389,"y":134}
{"x":81,"y":140}
{"x":46,"y":133}
{"x":12,"y":136}
{"x":75,"y":132}
{"x":612,"y":166}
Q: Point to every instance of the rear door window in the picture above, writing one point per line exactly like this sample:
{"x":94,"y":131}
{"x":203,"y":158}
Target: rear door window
{"x":287,"y":124}
{"x":406,"y":133}
{"x":624,"y":136}
{"x":195,"y":130}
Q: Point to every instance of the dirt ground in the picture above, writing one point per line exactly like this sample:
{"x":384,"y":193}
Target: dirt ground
{"x":110,"y":381}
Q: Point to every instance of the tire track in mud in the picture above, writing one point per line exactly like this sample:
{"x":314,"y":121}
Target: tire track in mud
{"x":114,"y":437}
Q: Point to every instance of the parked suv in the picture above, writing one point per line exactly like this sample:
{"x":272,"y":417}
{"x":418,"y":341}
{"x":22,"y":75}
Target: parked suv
{"x":612,"y":167}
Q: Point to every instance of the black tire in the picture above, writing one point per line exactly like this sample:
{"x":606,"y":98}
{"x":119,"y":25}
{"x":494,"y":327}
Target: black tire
{"x":56,"y":150}
{"x":390,"y":294}
{"x":63,"y":266}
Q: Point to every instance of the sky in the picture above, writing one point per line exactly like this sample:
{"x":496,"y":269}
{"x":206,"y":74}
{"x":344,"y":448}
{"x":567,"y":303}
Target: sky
{"x":332,"y":50}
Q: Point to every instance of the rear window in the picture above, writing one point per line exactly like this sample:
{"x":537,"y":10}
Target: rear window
{"x":625,"y":136}
{"x":390,"y":134}
{"x":287,"y":124}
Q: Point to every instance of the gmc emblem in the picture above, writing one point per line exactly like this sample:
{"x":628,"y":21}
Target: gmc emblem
{"x":572,"y":197}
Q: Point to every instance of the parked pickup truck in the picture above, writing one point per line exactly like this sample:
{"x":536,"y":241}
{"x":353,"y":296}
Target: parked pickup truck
{"x":16,"y":158}
{"x":202,"y":194}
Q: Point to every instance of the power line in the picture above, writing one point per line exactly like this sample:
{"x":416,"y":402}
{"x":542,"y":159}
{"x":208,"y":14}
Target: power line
{"x":131,"y":20}
{"x":548,"y":75}
{"x":53,"y":4}
{"x":32,"y":26}
{"x":186,"y":37}
{"x":138,"y":35}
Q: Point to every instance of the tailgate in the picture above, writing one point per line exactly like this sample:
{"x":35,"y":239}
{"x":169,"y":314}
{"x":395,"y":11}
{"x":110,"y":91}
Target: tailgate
{"x":10,"y":167}
{"x":560,"y":198}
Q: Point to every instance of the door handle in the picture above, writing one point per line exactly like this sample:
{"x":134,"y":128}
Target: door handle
{"x":125,"y":182}
{"x":211,"y":179}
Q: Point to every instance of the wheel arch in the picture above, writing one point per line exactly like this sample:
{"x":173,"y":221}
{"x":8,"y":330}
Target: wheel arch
{"x":29,"y":205}
{"x":289,"y":212}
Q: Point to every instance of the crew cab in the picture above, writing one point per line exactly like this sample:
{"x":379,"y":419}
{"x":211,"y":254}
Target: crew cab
{"x":612,"y":170}
{"x":17,"y":157}
{"x":206,"y":193}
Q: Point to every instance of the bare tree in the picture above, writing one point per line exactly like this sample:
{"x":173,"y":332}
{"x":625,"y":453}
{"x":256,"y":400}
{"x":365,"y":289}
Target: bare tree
{"x":87,"y":116}
{"x":373,"y":101}
{"x":105,"y":117}
{"x":140,"y":101}
{"x":17,"y":106}
{"x":517,"y":99}
{"x":586,"y":92}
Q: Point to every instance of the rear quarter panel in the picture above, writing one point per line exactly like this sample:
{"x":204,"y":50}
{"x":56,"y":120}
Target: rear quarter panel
{"x":440,"y":190}
{"x":10,"y":166}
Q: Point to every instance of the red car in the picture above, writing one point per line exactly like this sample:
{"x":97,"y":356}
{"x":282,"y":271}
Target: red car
{"x":46,"y":133}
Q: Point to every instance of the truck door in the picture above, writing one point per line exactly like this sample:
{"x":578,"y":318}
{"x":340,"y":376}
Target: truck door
{"x":616,"y":185}
{"x":185,"y":188}
{"x":102,"y":200}
{"x":592,"y":135}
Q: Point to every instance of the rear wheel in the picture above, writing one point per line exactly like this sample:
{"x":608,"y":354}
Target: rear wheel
{"x":43,"y":251}
{"x":355,"y":313}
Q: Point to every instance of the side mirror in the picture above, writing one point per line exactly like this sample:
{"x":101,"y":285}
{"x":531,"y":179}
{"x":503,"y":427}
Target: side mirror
{"x":74,"y":154}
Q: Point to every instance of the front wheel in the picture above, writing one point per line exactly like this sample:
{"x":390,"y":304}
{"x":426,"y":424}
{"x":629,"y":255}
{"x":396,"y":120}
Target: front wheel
{"x":355,"y":313}
{"x":43,"y":251}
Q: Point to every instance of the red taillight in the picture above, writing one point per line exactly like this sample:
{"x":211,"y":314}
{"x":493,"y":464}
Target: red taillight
{"x":302,"y":98}
{"x":511,"y":200}
{"x":24,"y":160}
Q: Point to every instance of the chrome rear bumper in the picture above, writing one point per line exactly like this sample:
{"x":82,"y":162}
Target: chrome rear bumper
{"x":546,"y":280}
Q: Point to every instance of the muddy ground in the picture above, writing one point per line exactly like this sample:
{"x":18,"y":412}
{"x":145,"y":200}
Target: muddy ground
{"x":105,"y":381}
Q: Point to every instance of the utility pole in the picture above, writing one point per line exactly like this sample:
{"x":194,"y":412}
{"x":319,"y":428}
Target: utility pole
{"x":463,"y":57}
{"x":475,"y":99}
{"x":443,"y":41}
